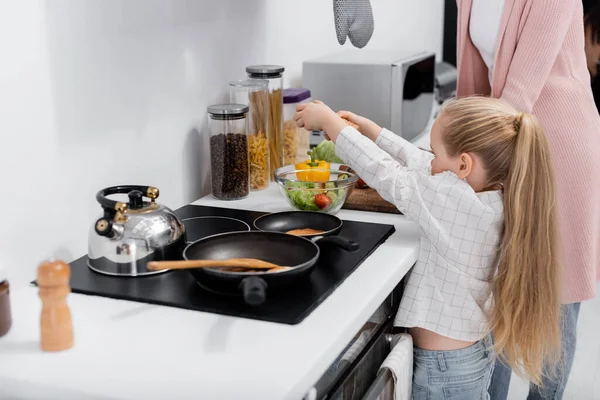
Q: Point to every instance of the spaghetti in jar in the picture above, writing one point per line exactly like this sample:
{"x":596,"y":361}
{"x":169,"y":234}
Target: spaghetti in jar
{"x":254,"y":93}
{"x":296,"y":141}
{"x":274,"y":75}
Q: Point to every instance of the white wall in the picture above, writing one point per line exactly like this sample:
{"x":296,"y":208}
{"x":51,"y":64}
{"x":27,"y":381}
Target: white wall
{"x":95,"y":93}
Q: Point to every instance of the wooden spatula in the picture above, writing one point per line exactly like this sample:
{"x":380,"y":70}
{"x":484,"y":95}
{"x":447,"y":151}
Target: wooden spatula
{"x":250,"y":263}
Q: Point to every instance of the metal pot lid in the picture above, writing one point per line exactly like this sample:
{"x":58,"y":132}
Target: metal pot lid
{"x":268,"y":70}
{"x":228,"y":109}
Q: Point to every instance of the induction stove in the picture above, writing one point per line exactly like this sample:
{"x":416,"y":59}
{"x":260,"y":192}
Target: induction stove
{"x":180,"y":290}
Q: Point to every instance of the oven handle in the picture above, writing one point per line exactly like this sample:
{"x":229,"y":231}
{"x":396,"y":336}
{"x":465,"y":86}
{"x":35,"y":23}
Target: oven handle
{"x":384,"y":376}
{"x":377,"y":388}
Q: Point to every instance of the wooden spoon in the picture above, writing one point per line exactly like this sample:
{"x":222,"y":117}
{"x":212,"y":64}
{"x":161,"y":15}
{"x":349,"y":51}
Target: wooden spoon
{"x":250,"y":263}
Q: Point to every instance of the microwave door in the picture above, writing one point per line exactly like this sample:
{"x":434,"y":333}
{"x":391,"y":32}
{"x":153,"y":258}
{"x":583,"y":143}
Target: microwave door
{"x":412,"y":96}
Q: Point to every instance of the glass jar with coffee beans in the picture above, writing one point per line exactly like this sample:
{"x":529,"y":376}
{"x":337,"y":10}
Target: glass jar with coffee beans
{"x":230,"y":169}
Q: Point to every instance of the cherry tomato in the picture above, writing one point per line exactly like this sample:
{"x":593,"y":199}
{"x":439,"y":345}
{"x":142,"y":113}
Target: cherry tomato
{"x":322,"y":201}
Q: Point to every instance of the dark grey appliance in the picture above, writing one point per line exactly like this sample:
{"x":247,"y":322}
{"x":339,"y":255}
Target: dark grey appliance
{"x":393,"y":88}
{"x":355,"y":374}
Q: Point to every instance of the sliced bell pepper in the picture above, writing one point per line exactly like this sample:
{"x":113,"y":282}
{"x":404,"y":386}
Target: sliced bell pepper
{"x":313,"y":170}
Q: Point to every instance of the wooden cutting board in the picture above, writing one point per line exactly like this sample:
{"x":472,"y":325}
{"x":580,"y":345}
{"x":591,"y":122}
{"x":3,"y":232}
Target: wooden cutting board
{"x":368,"y":200}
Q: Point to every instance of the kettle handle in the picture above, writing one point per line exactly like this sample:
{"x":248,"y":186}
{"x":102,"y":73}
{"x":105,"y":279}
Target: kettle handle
{"x":112,"y":206}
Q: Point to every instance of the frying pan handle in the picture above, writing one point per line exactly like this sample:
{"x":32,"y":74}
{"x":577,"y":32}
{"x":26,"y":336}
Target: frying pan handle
{"x":339,"y":241}
{"x":254,"y":290}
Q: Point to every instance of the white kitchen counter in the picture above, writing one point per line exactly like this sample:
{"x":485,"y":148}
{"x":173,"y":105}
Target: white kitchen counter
{"x":128,"y":350}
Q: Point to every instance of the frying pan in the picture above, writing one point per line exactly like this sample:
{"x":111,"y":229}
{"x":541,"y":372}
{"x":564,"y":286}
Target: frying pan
{"x":298,"y":253}
{"x":290,"y":220}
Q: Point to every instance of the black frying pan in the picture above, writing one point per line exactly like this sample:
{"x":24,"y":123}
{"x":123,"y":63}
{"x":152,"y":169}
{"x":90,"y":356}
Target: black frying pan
{"x":299,"y":253}
{"x":289,"y":220}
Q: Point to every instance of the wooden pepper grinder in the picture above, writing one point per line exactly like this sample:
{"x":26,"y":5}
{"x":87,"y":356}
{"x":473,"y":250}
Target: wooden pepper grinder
{"x":55,"y":322}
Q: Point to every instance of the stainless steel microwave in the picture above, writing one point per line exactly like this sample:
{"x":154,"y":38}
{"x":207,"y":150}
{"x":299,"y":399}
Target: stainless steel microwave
{"x":393,"y":88}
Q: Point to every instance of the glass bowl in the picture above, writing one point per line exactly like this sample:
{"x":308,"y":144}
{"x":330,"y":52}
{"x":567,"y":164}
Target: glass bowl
{"x":323,"y":195}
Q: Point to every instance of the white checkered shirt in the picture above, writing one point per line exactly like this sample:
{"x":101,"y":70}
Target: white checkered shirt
{"x":448,"y":290}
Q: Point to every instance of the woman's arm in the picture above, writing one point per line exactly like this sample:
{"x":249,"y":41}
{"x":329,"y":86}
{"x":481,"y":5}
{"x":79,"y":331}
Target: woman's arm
{"x":546,"y":26}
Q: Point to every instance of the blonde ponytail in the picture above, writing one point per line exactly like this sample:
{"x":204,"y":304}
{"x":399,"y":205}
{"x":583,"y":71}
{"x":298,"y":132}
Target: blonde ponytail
{"x":526,"y":315}
{"x":525,"y":319}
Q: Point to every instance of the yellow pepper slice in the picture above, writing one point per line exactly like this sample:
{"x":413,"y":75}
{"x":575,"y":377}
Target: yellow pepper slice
{"x":313,"y":170}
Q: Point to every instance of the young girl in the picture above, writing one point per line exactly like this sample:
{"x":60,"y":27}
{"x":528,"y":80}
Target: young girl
{"x":484,"y":200}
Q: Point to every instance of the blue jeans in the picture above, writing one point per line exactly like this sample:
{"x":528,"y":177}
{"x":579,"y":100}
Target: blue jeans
{"x":551,"y":389}
{"x":456,"y":374}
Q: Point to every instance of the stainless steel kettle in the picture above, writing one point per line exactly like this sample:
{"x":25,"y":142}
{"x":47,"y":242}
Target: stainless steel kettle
{"x":129,"y":235}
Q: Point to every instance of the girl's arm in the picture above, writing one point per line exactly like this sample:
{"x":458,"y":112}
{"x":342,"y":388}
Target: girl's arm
{"x":443,"y":205}
{"x":400,"y":149}
{"x":448,"y":211}
{"x":544,"y":32}
{"x":415,"y":192}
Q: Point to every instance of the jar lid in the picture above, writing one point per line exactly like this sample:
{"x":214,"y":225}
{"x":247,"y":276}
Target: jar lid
{"x":228,"y":109}
{"x":295,"y":95}
{"x":265,"y":70}
{"x":253,"y":85}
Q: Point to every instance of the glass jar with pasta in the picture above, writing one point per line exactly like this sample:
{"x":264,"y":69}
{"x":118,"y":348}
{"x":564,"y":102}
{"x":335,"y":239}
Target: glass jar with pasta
{"x":296,"y":141}
{"x":274,"y":75}
{"x":254,"y":93}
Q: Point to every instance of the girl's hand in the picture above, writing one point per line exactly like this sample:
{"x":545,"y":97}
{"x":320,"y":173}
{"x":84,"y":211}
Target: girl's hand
{"x":313,"y":116}
{"x":365,"y":126}
{"x":317,"y":116}
{"x":353,"y":118}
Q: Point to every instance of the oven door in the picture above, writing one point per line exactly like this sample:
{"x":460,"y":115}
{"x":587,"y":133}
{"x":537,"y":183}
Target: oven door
{"x":356,"y":368}
{"x":360,"y":377}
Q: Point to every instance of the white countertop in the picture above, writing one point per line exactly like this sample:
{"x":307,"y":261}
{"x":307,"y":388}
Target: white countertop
{"x":129,"y":350}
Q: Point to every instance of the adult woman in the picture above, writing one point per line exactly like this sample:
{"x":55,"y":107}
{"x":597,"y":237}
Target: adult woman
{"x":531,"y":54}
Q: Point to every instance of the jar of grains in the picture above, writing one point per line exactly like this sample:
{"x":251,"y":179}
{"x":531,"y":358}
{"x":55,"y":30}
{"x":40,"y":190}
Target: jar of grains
{"x":242,"y":92}
{"x":228,"y":125}
{"x":296,"y":140}
{"x":274,"y":75}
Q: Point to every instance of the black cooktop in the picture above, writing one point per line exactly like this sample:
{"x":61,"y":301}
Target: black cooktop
{"x":179,"y":289}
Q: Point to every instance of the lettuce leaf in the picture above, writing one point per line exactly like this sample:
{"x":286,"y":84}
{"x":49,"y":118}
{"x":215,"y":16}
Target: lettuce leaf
{"x":302,"y":195}
{"x":325,"y":151}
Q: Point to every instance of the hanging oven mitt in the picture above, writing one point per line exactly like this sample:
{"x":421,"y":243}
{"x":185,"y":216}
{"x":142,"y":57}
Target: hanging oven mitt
{"x":353,"y":19}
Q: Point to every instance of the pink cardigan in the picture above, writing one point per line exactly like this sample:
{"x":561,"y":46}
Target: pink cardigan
{"x":540,"y":67}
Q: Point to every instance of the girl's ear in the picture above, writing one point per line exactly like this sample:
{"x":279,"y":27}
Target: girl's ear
{"x":465,"y":165}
